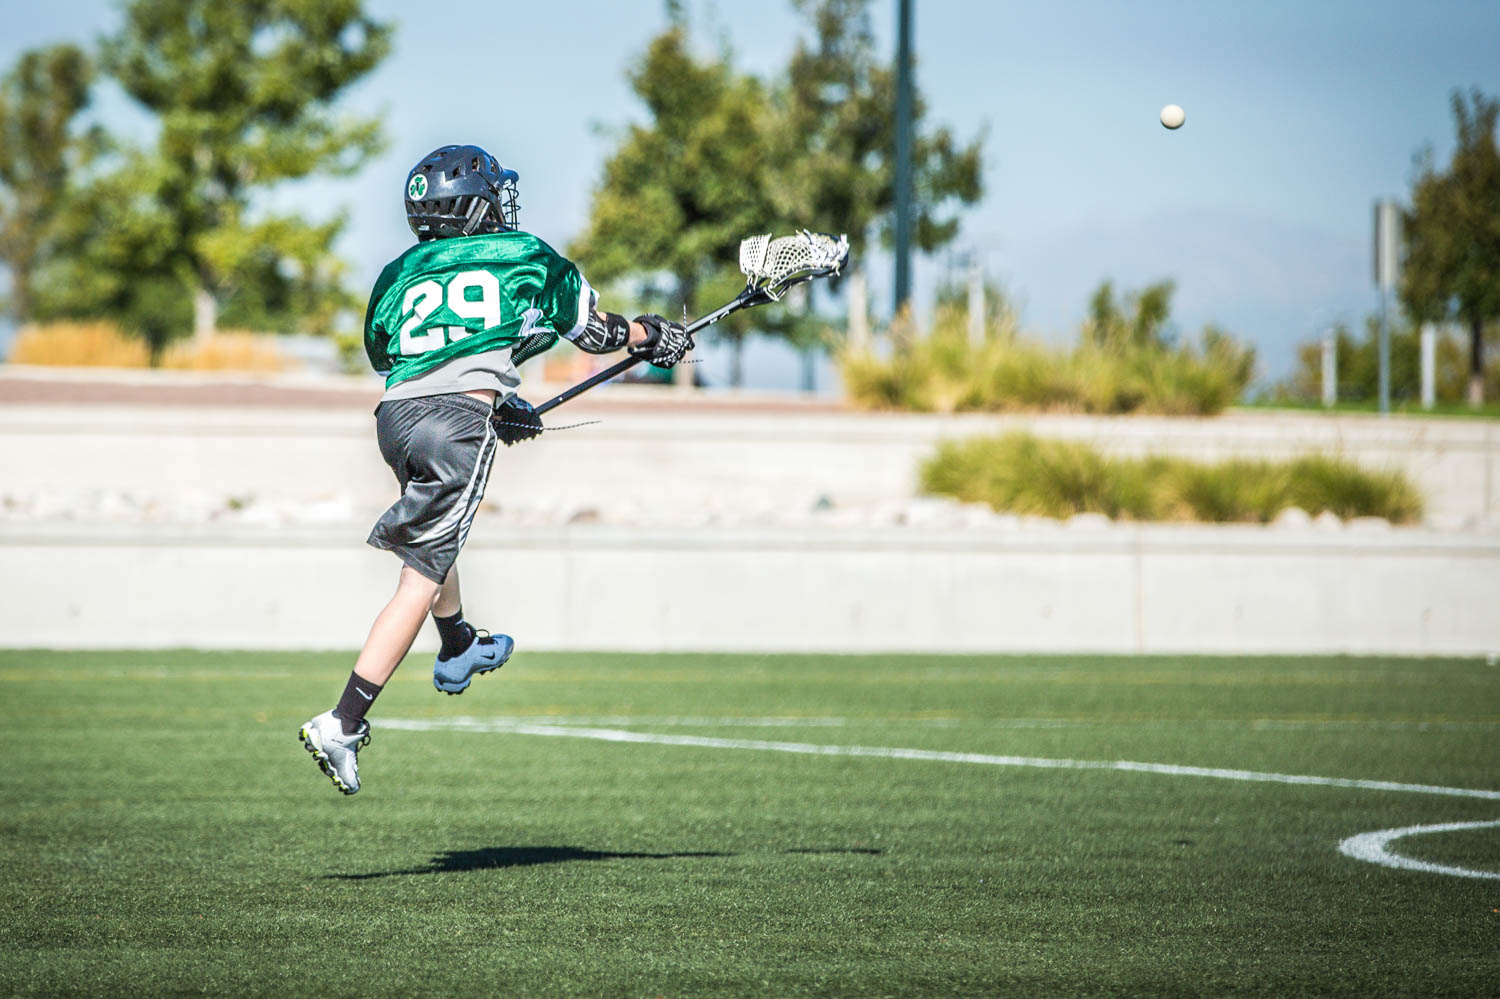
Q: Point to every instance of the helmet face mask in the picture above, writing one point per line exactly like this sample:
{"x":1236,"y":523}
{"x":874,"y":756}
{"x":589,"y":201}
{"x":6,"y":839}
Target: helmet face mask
{"x":460,"y":191}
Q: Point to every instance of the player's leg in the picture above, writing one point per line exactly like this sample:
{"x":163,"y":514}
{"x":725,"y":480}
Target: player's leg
{"x":467,"y":652}
{"x":334,"y":738}
{"x":395,"y":629}
{"x":450,"y":598}
{"x":440,"y":450}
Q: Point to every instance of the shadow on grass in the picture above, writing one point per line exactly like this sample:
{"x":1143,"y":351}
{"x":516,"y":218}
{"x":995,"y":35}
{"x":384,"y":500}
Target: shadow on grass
{"x":497,"y":857}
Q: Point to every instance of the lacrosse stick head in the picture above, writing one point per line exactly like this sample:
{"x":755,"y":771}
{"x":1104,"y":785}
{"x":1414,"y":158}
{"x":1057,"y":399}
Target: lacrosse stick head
{"x":774,"y":265}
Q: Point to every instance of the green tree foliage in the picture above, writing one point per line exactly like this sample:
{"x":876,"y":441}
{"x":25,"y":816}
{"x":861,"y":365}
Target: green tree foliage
{"x":1452,"y":232}
{"x":680,"y":192}
{"x":838,"y":127}
{"x":243,"y":94}
{"x":114,"y":256}
{"x":40,"y":149}
{"x":725,"y":155}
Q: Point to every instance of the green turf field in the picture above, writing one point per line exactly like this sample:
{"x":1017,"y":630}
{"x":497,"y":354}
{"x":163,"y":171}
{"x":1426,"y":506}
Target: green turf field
{"x":162,"y":830}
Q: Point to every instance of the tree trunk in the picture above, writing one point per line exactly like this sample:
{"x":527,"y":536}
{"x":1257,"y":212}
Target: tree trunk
{"x":737,"y":363}
{"x":1476,"y":363}
{"x":205,"y":314}
{"x":20,"y":301}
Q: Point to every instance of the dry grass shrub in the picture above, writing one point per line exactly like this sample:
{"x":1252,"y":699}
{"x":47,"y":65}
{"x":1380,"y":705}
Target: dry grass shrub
{"x":102,"y":344}
{"x":78,"y":345}
{"x":1024,"y":474}
{"x":226,"y":351}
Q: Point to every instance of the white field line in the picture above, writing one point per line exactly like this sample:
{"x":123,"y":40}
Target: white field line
{"x":516,"y":727}
{"x":677,"y":721}
{"x":1372,"y":846}
{"x":833,"y":721}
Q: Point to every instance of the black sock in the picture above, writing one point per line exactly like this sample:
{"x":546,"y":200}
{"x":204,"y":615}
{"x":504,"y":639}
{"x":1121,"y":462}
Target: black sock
{"x":455,"y":633}
{"x":359,"y":694}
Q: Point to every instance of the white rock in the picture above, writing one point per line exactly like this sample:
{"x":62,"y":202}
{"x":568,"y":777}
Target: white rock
{"x":1293,"y":516}
{"x":1328,"y":520}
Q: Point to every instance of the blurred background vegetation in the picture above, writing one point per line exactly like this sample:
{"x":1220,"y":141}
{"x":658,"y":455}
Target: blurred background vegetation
{"x":1126,"y":361}
{"x":160,"y":239}
{"x":1023,"y":474}
{"x":167,"y":237}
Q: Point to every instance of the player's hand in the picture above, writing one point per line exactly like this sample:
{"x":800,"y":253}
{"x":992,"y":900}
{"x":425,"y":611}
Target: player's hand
{"x":514,"y":421}
{"x":665,"y":341}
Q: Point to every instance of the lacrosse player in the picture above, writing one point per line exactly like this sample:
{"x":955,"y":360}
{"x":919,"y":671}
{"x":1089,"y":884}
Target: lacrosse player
{"x":448,"y":324}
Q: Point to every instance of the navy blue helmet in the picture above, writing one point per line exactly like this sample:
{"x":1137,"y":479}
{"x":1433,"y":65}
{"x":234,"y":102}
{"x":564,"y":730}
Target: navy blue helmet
{"x":459,"y":191}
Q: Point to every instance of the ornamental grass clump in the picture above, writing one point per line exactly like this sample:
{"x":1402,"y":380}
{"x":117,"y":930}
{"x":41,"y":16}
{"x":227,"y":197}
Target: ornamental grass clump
{"x":946,"y":372}
{"x":1024,"y":474}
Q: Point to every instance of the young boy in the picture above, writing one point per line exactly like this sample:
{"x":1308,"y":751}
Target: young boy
{"x":448,"y":322}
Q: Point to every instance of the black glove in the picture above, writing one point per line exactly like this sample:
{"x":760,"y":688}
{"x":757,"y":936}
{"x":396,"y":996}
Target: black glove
{"x":514,"y":420}
{"x":665,"y":341}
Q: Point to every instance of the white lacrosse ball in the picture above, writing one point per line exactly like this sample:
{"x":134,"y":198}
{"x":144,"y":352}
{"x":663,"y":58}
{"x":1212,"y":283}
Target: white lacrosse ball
{"x":1172,"y":116}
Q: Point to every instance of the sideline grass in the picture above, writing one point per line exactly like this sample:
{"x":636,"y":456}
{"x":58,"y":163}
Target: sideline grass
{"x":162,"y":832}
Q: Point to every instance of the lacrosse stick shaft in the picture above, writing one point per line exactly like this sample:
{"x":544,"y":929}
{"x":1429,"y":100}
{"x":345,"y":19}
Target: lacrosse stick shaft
{"x":746,"y":299}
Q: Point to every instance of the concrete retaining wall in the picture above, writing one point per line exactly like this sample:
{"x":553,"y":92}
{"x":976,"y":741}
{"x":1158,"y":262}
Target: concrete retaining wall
{"x":684,"y":459}
{"x":128,"y":575}
{"x":1070,"y":588}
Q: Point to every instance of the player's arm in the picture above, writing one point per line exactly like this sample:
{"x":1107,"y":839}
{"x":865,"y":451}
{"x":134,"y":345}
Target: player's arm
{"x":605,"y":332}
{"x":658,"y":340}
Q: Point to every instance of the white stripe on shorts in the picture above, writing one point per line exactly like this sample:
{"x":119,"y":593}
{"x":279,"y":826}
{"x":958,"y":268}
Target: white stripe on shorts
{"x":460,"y":515}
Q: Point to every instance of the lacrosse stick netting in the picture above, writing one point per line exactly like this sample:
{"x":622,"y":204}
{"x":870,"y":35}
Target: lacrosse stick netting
{"x":770,"y":264}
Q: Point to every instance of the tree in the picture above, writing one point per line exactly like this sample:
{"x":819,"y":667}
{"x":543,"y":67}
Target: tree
{"x":243,"y":93}
{"x":840,"y":110}
{"x":1452,"y":232}
{"x":726,"y":155}
{"x":113,"y":254}
{"x":40,"y":151}
{"x":840,"y":113}
{"x":679,"y":193}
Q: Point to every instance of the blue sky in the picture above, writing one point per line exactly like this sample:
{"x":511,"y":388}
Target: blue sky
{"x":1298,"y":116}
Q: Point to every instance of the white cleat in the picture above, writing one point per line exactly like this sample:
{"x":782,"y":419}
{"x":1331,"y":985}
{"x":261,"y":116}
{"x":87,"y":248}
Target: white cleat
{"x":337,"y":754}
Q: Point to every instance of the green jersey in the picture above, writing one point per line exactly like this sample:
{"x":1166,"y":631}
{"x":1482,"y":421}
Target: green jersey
{"x":449,"y":298}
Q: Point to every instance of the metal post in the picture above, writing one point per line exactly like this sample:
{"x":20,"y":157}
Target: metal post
{"x":1385,"y":353}
{"x":1330,"y":368}
{"x":859,"y":311}
{"x":1429,"y":365}
{"x":1387,"y":275}
{"x":903,"y":154}
{"x":976,"y":301}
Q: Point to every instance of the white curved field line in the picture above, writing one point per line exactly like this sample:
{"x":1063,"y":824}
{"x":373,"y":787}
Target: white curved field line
{"x":1366,"y":846}
{"x":1371,"y":846}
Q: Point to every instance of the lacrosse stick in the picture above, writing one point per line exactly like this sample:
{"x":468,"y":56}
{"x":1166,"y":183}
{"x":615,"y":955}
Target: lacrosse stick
{"x":770,"y":266}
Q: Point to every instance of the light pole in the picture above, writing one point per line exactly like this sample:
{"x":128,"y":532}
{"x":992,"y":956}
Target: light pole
{"x":903,"y":153}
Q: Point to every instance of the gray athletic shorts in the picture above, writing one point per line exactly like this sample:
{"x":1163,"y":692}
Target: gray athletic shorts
{"x":440,"y":448}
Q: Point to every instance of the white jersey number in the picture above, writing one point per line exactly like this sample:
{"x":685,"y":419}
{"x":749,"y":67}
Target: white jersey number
{"x":470,"y":294}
